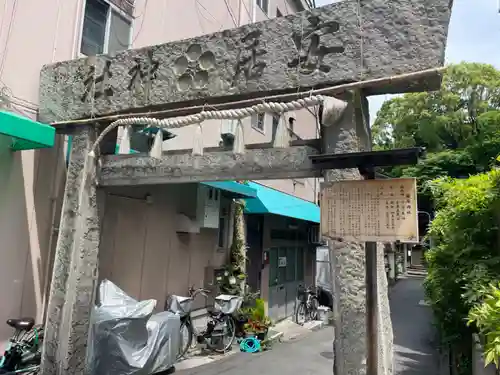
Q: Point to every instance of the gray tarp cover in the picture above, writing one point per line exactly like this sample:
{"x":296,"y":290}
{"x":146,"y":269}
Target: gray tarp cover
{"x":127,"y":339}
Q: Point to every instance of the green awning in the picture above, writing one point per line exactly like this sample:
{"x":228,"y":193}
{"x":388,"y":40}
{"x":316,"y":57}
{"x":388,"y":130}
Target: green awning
{"x":26,"y":133}
{"x":271,"y":201}
{"x":238,"y":189}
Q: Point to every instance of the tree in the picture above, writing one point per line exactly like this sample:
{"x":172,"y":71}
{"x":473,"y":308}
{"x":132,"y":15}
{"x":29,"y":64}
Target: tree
{"x":459,"y":126}
{"x":452,"y":118}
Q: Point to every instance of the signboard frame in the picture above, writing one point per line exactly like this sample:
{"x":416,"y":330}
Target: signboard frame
{"x":374,"y":210}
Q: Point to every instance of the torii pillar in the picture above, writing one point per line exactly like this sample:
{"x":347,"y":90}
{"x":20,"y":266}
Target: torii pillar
{"x":345,"y":128}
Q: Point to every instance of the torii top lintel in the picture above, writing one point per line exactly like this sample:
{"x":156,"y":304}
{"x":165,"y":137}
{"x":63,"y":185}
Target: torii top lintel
{"x":348,"y":41}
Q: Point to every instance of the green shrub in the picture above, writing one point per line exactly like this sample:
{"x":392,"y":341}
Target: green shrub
{"x":465,"y":257}
{"x":486,"y":317}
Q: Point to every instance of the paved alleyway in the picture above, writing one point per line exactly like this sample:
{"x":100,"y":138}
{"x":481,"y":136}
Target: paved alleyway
{"x":414,"y":350}
{"x":309,"y":355}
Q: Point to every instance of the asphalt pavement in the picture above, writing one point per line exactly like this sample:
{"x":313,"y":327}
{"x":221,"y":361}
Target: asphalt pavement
{"x":308,"y":355}
{"x":415,"y":347}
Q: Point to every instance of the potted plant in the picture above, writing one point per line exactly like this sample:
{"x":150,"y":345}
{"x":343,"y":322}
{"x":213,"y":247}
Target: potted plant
{"x":258,"y":328}
{"x":258,"y":323}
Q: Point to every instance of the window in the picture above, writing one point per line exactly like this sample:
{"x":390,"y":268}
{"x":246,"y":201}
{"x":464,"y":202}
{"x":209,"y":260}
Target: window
{"x":106,"y":29}
{"x":264,"y":5}
{"x":278,"y":13}
{"x":258,"y":121}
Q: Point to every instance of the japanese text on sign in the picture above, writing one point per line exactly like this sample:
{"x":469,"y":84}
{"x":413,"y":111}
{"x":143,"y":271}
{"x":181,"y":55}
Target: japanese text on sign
{"x":370,"y":210}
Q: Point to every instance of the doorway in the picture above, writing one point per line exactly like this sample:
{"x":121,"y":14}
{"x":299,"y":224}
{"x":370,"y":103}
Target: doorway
{"x":286,"y":274}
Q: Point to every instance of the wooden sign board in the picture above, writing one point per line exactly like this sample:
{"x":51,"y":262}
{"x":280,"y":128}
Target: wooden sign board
{"x":370,"y":210}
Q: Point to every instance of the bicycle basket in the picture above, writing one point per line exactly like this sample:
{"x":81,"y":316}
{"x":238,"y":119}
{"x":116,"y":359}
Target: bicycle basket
{"x":302,"y":294}
{"x":227,"y":304}
{"x":180,"y":305}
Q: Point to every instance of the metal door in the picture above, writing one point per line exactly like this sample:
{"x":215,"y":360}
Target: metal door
{"x":254,"y":251}
{"x":291,"y":280}
{"x":277,"y":278}
{"x":286,"y":273}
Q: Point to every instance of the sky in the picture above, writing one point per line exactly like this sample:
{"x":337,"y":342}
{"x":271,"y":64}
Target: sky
{"x":474,"y":36}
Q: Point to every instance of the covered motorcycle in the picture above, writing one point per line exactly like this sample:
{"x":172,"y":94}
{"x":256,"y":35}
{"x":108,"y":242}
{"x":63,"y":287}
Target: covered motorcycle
{"x":126,"y":338}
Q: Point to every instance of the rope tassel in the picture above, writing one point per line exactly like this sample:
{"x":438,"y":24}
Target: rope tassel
{"x":124,"y":148}
{"x":157,"y":149}
{"x":239,"y":139}
{"x":198,"y":141}
{"x":282,"y":136}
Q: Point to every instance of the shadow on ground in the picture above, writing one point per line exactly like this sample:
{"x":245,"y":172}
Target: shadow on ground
{"x":415,"y":350}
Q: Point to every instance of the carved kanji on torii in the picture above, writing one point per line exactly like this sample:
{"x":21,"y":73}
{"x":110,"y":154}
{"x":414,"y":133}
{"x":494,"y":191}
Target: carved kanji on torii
{"x":348,"y":41}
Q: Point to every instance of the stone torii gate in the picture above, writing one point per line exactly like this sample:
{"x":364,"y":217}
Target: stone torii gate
{"x":333,"y":46}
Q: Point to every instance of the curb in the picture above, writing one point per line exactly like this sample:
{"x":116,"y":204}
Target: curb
{"x":273,"y":339}
{"x":316,"y":326}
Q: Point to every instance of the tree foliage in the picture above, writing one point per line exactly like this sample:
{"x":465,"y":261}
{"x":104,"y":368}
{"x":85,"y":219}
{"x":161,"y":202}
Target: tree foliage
{"x":452,"y":118}
{"x":459,"y":126}
{"x":486,"y":317}
{"x":466,"y":256}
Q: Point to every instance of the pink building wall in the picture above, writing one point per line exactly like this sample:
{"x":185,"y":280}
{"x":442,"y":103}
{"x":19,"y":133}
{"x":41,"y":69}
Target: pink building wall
{"x":32,"y":182}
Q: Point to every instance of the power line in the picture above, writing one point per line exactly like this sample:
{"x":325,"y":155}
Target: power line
{"x":134,"y":39}
{"x":246,"y":9}
{"x":231,"y":13}
{"x":4,"y":53}
{"x":206,"y":10}
{"x":250,"y":16}
{"x":3,"y":15}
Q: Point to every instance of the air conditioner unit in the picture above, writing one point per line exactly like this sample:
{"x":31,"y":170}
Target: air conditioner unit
{"x":186,"y":224}
{"x":208,"y":207}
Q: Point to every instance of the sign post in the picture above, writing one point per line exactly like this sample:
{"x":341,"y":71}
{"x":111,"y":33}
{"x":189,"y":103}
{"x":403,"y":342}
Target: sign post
{"x":372,"y":211}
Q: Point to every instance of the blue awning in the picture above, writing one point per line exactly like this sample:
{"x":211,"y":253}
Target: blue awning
{"x":241,"y":190}
{"x":271,"y":201}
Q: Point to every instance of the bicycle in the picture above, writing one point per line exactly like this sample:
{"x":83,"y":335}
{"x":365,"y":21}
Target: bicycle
{"x":23,"y":353}
{"x":220,"y":321}
{"x":308,"y":304}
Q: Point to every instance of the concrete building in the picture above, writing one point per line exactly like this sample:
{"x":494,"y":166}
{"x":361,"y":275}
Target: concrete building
{"x":143,"y":249}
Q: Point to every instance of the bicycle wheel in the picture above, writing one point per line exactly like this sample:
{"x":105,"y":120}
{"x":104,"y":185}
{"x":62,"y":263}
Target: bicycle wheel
{"x":228,"y":327}
{"x":301,"y":312}
{"x":313,"y":308}
{"x":186,"y":337}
